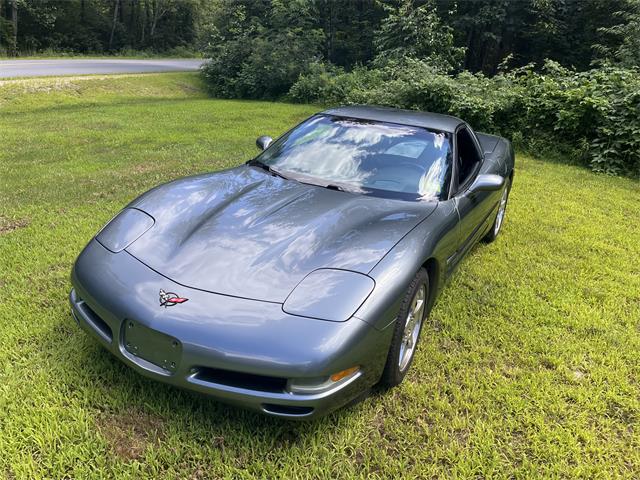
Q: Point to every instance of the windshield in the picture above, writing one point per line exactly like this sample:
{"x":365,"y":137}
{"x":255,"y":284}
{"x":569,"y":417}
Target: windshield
{"x":371,"y":157}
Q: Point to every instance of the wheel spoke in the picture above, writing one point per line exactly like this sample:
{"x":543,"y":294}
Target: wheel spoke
{"x":412,"y":325}
{"x":501,"y":211}
{"x":417,"y":308}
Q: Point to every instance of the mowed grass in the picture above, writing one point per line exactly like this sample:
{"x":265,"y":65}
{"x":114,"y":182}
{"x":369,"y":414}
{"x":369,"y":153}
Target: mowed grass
{"x":528,"y":367}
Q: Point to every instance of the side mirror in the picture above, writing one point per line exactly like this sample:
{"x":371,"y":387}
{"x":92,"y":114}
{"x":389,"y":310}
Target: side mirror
{"x":263,"y":142}
{"x":487,"y":183}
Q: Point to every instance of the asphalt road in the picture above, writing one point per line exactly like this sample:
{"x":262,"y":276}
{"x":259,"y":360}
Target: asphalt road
{"x":38,"y":68}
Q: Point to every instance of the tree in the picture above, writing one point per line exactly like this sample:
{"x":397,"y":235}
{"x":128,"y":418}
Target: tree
{"x":529,"y":31}
{"x":623,"y":46}
{"x":411,"y":31}
{"x":116,"y":6}
{"x":14,"y":26}
{"x":349,"y":28}
{"x":259,"y":49}
{"x":94,"y":26}
{"x":353,"y":33}
{"x":158,"y":9}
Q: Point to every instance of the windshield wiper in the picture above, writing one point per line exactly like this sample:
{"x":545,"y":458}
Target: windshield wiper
{"x":301,"y":178}
{"x":333,"y":186}
{"x":338,"y":187}
{"x":267,"y":168}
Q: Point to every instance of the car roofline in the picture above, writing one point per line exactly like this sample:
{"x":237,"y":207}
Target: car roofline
{"x":414,"y":118}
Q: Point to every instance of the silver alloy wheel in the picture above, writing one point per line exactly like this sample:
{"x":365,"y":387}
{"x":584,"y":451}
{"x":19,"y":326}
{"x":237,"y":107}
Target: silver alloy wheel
{"x":412,"y":327}
{"x":501,"y":211}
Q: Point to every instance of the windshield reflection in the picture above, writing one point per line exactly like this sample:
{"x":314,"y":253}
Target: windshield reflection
{"x":366,"y":156}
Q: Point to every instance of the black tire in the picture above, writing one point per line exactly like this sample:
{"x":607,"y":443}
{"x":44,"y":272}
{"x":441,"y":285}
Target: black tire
{"x":495,"y":227}
{"x":393,"y":374}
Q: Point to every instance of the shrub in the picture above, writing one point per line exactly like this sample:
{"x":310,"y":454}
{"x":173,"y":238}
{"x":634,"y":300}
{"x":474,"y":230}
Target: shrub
{"x":592,"y":116}
{"x":325,"y":83}
{"x":413,"y":84}
{"x":252,"y":57}
{"x":599,"y":108}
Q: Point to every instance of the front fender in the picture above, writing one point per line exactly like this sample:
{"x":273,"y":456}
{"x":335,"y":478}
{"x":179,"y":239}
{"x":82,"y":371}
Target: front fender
{"x":433,"y":240}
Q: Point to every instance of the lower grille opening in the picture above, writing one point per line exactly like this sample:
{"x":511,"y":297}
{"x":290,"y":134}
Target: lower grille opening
{"x":291,"y":410}
{"x":248,"y":381}
{"x":94,"y":319}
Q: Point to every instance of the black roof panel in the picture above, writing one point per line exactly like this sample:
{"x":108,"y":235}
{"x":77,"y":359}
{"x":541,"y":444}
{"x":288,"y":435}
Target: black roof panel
{"x":435,"y":121}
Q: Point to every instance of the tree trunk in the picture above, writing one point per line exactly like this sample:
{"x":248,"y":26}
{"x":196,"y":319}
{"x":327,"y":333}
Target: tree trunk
{"x":157,"y":13}
{"x":469,"y":54}
{"x":154,"y":20}
{"x":113,"y":26}
{"x":133,"y":34}
{"x":145,"y":21}
{"x":14,"y":22}
{"x":330,"y":34}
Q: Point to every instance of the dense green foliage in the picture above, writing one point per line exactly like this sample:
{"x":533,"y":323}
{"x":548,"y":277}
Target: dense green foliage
{"x":483,"y":34}
{"x":622,"y":40}
{"x":526,"y":31}
{"x":592,"y":117}
{"x":523,"y":371}
{"x":261,"y":56}
{"x":584,"y":105}
{"x":99,"y":26}
{"x":416,"y":32}
{"x":571,"y":32}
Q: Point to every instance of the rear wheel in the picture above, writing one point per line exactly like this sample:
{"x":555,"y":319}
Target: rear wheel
{"x":407,"y":331}
{"x":502,"y":210}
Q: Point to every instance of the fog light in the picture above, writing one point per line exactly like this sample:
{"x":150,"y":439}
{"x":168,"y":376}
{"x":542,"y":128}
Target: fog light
{"x":321,"y":384}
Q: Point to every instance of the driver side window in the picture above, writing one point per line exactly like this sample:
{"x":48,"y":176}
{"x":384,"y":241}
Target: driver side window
{"x":468,"y":158}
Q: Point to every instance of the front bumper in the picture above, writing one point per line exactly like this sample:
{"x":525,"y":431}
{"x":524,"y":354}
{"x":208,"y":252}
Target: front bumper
{"x":238,"y":350}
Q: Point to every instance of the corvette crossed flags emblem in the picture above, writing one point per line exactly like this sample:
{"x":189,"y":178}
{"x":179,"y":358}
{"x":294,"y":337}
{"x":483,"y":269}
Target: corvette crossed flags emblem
{"x":169,"y":299}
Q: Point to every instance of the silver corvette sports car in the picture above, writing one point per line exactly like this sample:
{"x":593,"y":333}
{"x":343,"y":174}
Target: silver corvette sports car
{"x":294,"y":283}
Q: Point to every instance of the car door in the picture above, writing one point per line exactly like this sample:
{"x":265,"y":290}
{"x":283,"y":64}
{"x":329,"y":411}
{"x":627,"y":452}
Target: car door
{"x":474,"y":208}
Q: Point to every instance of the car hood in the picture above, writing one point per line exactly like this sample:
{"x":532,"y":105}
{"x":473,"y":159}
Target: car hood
{"x":246,"y":233}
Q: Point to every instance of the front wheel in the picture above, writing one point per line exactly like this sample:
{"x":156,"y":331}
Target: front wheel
{"x":502,"y":210}
{"x":407,"y":330}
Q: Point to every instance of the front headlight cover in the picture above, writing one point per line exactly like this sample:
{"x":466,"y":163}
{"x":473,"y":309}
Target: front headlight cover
{"x":329,"y":294}
{"x":124,"y":229}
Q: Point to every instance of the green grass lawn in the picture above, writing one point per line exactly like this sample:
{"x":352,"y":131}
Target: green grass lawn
{"x":528,"y":368}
